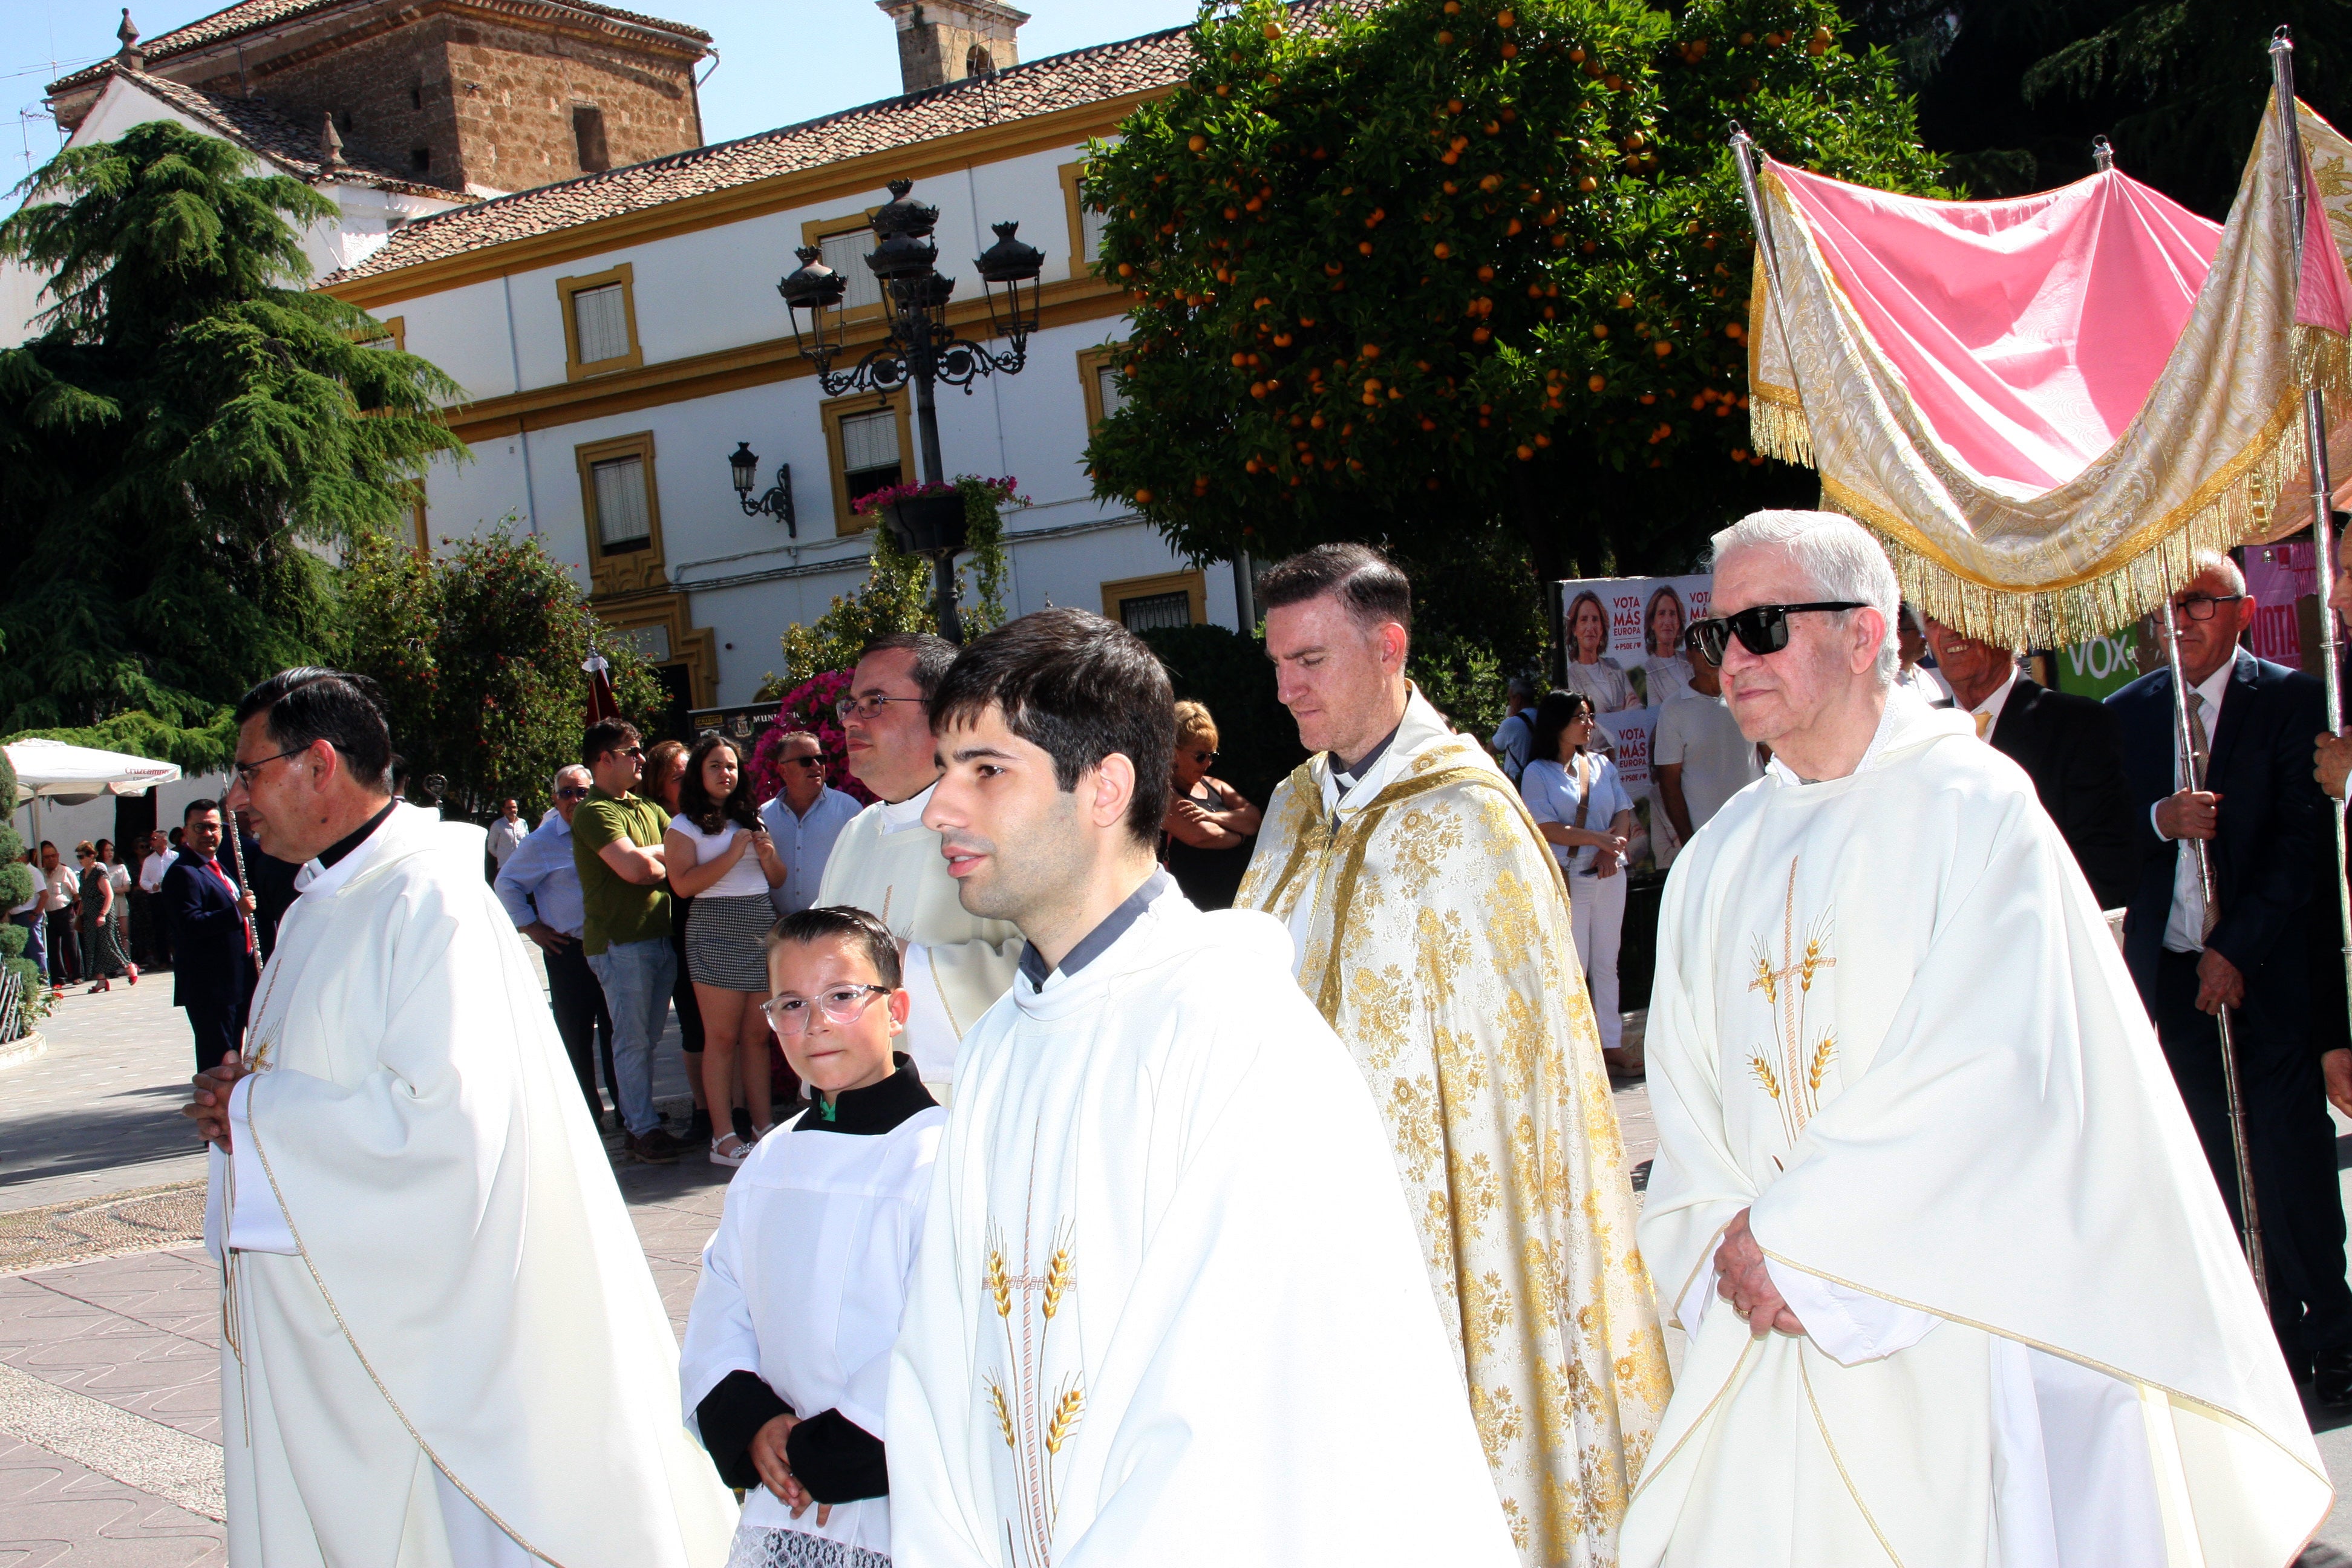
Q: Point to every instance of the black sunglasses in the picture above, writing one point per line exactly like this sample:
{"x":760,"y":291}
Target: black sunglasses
{"x":1761,"y":628}
{"x":572,"y":792}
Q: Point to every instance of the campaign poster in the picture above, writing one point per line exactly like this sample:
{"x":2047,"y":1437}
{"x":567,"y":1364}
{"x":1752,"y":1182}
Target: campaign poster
{"x":1623,"y":639}
{"x":2098,"y":666}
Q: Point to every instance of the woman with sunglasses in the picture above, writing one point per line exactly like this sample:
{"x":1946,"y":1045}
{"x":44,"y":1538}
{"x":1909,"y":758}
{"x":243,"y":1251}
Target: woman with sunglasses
{"x":1211,"y":826}
{"x":720,"y":855}
{"x":101,"y":950}
{"x":1584,"y":812}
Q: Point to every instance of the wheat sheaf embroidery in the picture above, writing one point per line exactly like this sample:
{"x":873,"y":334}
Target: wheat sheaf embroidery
{"x":1035,"y":1426}
{"x":1793,"y":1069}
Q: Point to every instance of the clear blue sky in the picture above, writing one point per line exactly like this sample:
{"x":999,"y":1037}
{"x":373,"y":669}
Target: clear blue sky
{"x":780,"y":61}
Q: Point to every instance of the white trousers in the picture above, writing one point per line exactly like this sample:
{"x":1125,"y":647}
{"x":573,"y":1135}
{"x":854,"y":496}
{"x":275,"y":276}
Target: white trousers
{"x":1596,"y":912}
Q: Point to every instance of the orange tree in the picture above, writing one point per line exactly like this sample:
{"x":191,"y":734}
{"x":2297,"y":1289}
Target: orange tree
{"x":1441,"y":271}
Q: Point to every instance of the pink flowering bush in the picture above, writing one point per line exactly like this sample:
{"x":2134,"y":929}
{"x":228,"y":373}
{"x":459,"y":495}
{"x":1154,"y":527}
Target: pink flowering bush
{"x":808,"y":706}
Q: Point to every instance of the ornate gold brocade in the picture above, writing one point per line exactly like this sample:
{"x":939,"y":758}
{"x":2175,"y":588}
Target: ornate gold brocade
{"x":1438,"y":947}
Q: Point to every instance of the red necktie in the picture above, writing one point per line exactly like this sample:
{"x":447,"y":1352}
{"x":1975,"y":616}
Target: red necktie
{"x":224,"y":882}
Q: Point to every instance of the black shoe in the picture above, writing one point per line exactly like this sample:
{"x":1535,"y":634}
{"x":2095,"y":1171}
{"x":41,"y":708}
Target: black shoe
{"x":2331,"y":1377}
{"x":655,"y":1148}
{"x":699,"y":1130}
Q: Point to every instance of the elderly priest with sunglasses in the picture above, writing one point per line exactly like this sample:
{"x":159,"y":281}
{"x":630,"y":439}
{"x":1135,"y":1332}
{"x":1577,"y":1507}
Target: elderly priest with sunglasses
{"x":440,"y":1344}
{"x":887,"y":862}
{"x":1959,"y":1285}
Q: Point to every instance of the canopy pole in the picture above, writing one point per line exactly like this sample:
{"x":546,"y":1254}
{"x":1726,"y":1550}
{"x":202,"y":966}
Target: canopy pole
{"x":2314,"y":426}
{"x":243,"y":883}
{"x":2250,"y":1224}
{"x":1744,"y":153}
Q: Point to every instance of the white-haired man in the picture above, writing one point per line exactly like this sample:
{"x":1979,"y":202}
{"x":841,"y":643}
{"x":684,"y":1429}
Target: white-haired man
{"x":1959,"y":1285}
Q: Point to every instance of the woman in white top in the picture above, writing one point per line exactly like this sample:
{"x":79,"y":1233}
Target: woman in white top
{"x":720,"y":856}
{"x":1663,"y":673}
{"x":1590,"y":671}
{"x":1583,"y":812}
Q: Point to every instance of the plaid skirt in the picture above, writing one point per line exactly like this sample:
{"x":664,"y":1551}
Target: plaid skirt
{"x":722,"y":942}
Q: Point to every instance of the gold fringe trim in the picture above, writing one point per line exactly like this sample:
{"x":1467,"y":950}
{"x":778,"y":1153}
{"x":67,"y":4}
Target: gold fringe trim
{"x":2240,"y":508}
{"x":1777,"y":426}
{"x":2323,"y":359}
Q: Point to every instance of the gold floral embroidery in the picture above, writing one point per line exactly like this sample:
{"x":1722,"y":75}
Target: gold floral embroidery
{"x":1433,"y":937}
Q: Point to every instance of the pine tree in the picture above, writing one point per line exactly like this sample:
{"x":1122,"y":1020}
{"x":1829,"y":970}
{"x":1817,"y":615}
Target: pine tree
{"x":186,"y":445}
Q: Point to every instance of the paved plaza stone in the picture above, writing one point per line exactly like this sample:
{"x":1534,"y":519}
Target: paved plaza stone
{"x":110,"y":1318}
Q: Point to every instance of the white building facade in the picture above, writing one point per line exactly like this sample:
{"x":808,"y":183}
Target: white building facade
{"x":618,"y":335}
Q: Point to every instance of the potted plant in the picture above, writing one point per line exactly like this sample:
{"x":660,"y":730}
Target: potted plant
{"x":927,"y":519}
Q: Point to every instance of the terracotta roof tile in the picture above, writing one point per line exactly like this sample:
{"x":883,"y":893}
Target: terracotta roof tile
{"x":248,"y":15}
{"x":1018,"y":92}
{"x":265,"y":129}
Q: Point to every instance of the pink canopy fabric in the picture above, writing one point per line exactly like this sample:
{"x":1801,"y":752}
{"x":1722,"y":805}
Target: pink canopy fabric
{"x":2027,"y":331}
{"x":2047,"y":406}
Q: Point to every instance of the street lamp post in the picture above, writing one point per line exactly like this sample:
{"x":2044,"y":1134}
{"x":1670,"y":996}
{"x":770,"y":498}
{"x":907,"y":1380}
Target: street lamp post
{"x":918,"y":344}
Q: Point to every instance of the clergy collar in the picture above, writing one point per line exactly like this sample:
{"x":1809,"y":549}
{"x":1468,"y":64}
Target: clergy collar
{"x":354,"y":839}
{"x":1092,"y":945}
{"x":875,"y":1109}
{"x":1347,"y":777}
{"x":897,"y":815}
{"x":344,"y":860}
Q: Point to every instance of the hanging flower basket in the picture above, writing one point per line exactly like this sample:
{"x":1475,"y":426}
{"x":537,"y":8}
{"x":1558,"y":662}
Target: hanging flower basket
{"x":929,"y":519}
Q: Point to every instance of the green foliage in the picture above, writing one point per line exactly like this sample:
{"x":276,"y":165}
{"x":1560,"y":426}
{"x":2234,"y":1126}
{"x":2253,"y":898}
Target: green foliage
{"x":1257,"y":740}
{"x":897,"y":593}
{"x":2014,"y":90}
{"x":16,"y":887}
{"x":479,"y":653}
{"x":1462,"y":679}
{"x":1428,"y":275}
{"x":187,"y":439}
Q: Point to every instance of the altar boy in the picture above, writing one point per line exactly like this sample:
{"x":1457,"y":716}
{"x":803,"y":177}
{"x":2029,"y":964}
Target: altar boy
{"x":786,"y":1367}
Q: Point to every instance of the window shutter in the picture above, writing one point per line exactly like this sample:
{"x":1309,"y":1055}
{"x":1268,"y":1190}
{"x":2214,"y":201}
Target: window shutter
{"x":601,"y":318}
{"x":869,"y":441}
{"x":1107,"y":385}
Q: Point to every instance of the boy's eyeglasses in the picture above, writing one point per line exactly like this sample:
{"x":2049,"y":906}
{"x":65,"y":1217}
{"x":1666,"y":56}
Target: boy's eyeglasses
{"x":842,"y":1004}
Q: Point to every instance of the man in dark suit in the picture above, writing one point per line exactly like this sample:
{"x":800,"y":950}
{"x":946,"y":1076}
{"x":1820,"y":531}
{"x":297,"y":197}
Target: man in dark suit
{"x":2259,"y":815}
{"x":211,"y":920}
{"x":2070,"y":747}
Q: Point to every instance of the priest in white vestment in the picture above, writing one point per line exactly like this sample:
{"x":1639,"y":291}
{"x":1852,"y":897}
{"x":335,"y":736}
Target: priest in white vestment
{"x":441,"y":1346}
{"x":888,"y":863}
{"x":1958,"y":1287}
{"x":1169,"y":1306}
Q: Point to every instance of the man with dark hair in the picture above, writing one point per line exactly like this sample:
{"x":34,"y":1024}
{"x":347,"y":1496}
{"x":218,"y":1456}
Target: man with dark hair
{"x":617,"y":847}
{"x":1153,"y":1128}
{"x":539,"y":886}
{"x":1429,"y":924}
{"x":210,"y":920}
{"x":888,"y":863}
{"x":447,"y":1347}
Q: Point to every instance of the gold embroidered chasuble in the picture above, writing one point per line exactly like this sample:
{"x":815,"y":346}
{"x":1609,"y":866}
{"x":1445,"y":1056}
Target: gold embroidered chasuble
{"x":1432,"y":928}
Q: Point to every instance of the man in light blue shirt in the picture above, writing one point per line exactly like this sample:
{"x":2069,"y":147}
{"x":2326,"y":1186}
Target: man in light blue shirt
{"x":803,"y":821}
{"x":539,"y":887}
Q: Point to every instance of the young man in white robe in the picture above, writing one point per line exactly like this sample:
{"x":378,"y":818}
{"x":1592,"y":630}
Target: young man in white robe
{"x":887,"y":862}
{"x":1169,"y":1306}
{"x":786,"y":1369}
{"x":440,"y":1342}
{"x":1958,"y":1287}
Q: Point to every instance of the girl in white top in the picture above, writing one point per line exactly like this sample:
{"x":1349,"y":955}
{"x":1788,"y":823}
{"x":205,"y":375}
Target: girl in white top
{"x":720,"y":855}
{"x":786,"y":1366}
{"x":1583,"y":812}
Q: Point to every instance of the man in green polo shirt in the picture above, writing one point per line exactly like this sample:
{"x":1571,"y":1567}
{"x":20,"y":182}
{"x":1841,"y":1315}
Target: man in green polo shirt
{"x":617,"y":843}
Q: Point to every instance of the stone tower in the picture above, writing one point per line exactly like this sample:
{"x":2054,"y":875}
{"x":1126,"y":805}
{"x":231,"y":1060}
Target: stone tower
{"x":941,"y":41}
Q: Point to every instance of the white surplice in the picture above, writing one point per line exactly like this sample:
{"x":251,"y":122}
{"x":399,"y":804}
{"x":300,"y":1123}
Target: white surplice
{"x":1890,"y":1022}
{"x":442,"y":1347}
{"x":804,"y":1283}
{"x":1170,"y":1307}
{"x":889,"y":864}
